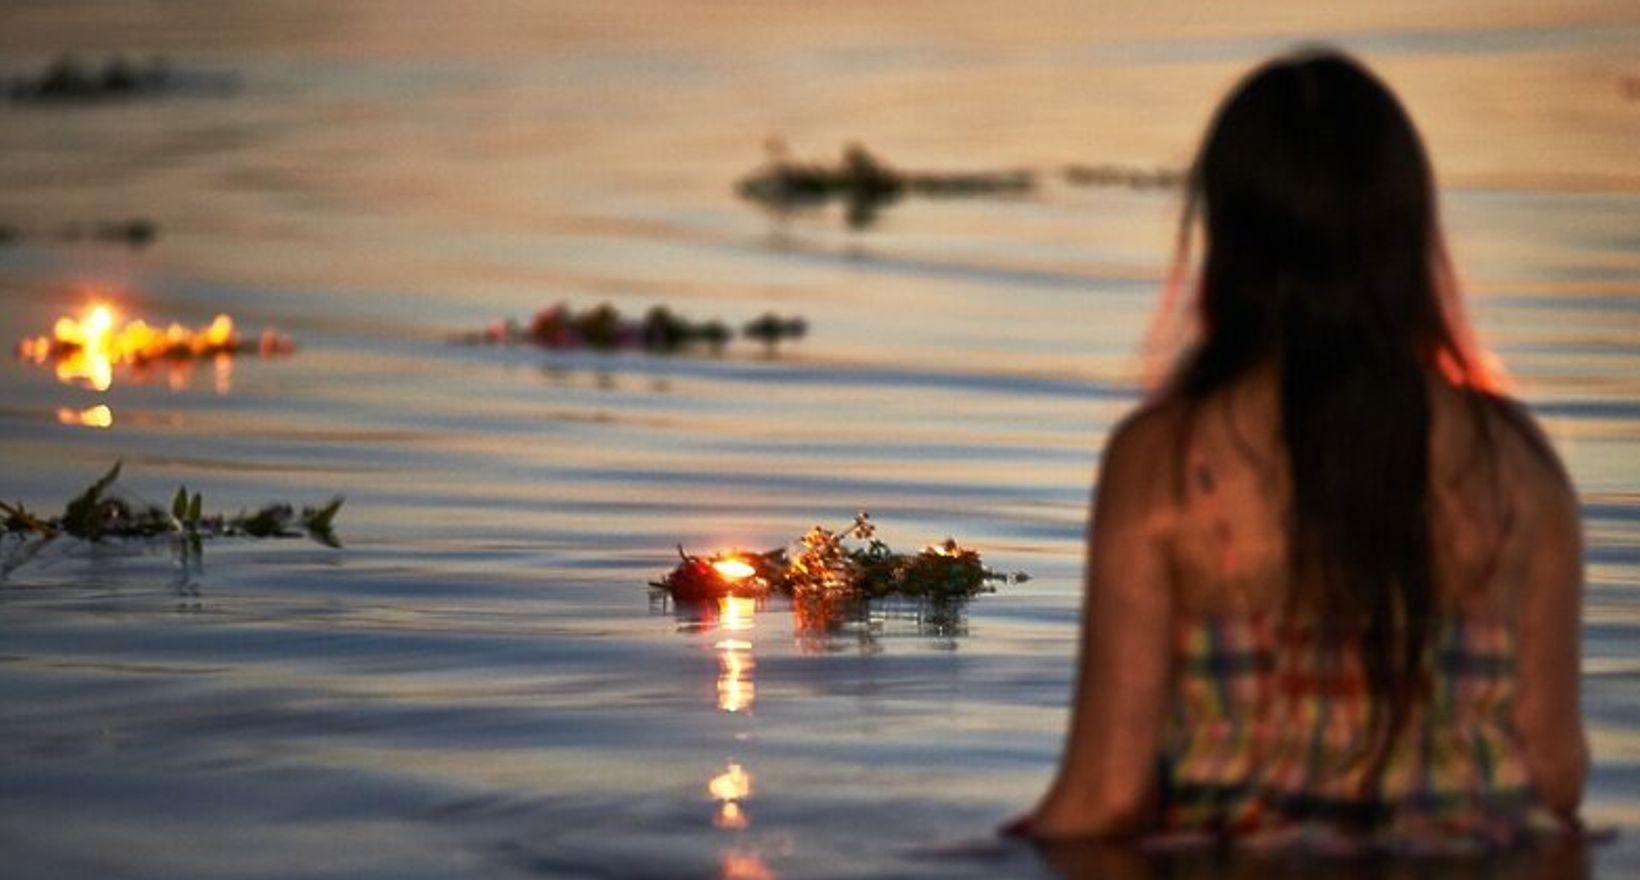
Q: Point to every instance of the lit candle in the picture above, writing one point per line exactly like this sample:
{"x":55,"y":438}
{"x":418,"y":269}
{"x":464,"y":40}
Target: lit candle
{"x":733,"y":570}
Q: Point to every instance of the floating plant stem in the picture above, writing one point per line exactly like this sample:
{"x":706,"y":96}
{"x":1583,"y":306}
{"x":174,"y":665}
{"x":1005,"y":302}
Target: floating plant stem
{"x":100,"y":512}
{"x":864,"y":183}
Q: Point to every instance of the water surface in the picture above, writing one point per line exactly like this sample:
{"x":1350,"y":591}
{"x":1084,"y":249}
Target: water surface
{"x":479,"y":684}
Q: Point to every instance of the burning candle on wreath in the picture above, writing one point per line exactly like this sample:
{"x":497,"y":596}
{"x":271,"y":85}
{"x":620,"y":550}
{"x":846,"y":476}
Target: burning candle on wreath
{"x":733,"y":569}
{"x":701,"y":579}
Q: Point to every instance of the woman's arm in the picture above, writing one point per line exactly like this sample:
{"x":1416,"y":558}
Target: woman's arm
{"x":1105,"y":780}
{"x":1547,"y":711}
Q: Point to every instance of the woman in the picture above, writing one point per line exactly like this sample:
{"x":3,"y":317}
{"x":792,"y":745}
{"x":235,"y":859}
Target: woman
{"x":1333,"y":577}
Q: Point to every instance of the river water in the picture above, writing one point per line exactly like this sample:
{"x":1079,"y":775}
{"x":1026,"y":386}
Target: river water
{"x":479,"y":683}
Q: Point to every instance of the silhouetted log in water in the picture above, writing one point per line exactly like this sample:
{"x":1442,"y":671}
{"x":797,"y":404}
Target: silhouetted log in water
{"x":1118,"y":175}
{"x":138,"y":232}
{"x":771,"y":329}
{"x":68,"y":81}
{"x":864,"y":183}
{"x":604,"y":328}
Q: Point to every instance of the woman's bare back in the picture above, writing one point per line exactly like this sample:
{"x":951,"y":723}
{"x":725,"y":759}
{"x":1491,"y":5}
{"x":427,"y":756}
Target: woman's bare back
{"x":1190,"y":523}
{"x":1490,"y":479}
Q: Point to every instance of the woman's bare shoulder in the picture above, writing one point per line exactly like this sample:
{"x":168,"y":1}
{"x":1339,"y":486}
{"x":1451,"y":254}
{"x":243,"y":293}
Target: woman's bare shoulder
{"x":1145,"y":446}
{"x":1140,"y":466}
{"x":1503,"y":427}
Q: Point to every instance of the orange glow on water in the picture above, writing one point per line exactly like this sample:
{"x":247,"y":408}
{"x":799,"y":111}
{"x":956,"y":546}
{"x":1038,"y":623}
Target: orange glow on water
{"x":743,"y":866}
{"x":222,"y":373}
{"x":731,"y":817}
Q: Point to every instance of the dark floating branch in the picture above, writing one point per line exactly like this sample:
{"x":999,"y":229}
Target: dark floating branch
{"x":604,"y":328}
{"x":864,"y":184}
{"x":135,"y":233}
{"x":771,"y":329}
{"x":1121,"y":175}
{"x":66,"y":80}
{"x":827,"y":567}
{"x":100,"y":513}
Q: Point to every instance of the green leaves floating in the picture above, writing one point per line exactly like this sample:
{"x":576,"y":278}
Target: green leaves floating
{"x":852,"y":564}
{"x":99,"y":512}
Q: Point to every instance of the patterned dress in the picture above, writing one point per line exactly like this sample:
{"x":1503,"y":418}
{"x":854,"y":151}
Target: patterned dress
{"x":1267,"y":736}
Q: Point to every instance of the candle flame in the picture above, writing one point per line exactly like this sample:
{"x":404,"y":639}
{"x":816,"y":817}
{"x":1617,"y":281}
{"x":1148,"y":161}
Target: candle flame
{"x":948,"y":548}
{"x":733,"y":569}
{"x":100,"y":321}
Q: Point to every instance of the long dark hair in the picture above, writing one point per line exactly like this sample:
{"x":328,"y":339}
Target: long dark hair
{"x":1323,"y":256}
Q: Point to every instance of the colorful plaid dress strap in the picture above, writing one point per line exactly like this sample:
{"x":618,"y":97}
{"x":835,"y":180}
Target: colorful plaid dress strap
{"x":1267,"y":731}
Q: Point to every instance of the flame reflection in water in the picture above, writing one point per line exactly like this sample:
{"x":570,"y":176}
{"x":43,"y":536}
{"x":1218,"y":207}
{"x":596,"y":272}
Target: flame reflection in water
{"x":729,"y":788}
{"x":734,"y":685}
{"x":99,"y":416}
{"x":733,"y":787}
{"x":735,"y":865}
